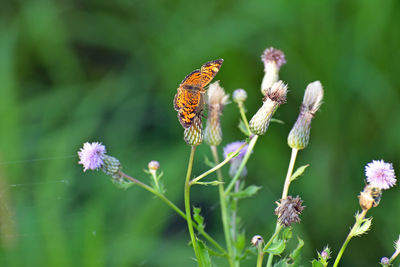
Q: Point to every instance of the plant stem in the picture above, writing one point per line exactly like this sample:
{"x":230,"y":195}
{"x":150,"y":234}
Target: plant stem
{"x":349,"y":236}
{"x":289,"y":173}
{"x":260,"y":256}
{"x":252,"y":143}
{"x":224,"y":211}
{"x":272,"y":237}
{"x":217,"y":167}
{"x":242,"y":113}
{"x":187,"y":207}
{"x":284,"y":194}
{"x":174,"y":207}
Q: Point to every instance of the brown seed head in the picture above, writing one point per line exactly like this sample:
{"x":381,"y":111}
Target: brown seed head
{"x":288,"y":210}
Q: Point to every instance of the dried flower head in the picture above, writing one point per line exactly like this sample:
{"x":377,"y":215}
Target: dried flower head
{"x":289,"y":210}
{"x":370,"y":197}
{"x":193,"y":135}
{"x":300,"y":134}
{"x":236,"y":161}
{"x":217,"y":99}
{"x":257,"y":240}
{"x":275,"y":96}
{"x":239,"y":95}
{"x":273,"y":60}
{"x":91,"y":155}
{"x":153,"y":165}
{"x":380,"y":174}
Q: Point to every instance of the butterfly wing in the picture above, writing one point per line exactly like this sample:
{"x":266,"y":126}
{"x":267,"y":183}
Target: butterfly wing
{"x":208,"y":71}
{"x":187,"y":103}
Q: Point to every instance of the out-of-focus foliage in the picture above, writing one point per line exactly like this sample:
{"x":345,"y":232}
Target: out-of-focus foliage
{"x":77,"y":71}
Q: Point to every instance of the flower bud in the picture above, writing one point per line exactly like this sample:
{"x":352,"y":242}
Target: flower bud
{"x":111,"y":167}
{"x":300,"y":134}
{"x":239,"y":95}
{"x":273,"y":60}
{"x":275,"y":96}
{"x":257,"y":240}
{"x":153,"y":165}
{"x":385,"y":261}
{"x":193,"y":135}
{"x":217,"y":99}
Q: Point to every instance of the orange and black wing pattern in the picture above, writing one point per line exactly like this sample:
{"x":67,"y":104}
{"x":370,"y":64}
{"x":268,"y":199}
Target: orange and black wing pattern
{"x":189,"y":100}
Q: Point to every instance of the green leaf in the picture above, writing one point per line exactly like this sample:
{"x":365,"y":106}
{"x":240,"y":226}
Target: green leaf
{"x":316,"y":263}
{"x":198,"y":219}
{"x":277,"y":121}
{"x":122,"y":184}
{"x":296,"y":253}
{"x":287,"y":233}
{"x":240,"y":242}
{"x":243,"y":128}
{"x":210,"y":183}
{"x":363,"y":228}
{"x":282,"y":263}
{"x":298,"y":172}
{"x":208,"y":162}
{"x":205,"y":256}
{"x":247,"y":192}
{"x":277,"y":247}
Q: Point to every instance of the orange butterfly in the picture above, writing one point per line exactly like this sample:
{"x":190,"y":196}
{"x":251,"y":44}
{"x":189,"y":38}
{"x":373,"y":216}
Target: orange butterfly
{"x":189,"y":100}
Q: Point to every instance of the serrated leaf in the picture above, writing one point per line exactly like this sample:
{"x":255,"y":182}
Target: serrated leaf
{"x":243,"y":128}
{"x":208,"y":162}
{"x":298,"y":172}
{"x":296,"y":253}
{"x":282,"y":263}
{"x":122,"y":184}
{"x":247,"y":192}
{"x":198,"y":219}
{"x":316,"y":263}
{"x":205,"y":256}
{"x":277,"y":121}
{"x":277,"y":247}
{"x":363,"y":228}
{"x":214,"y":183}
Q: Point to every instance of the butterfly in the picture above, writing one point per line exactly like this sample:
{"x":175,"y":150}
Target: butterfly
{"x":189,"y":100}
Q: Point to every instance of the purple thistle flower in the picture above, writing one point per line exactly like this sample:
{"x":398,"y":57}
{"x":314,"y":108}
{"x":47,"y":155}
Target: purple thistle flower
{"x":91,"y":155}
{"x":232,"y":147}
{"x":380,"y":174}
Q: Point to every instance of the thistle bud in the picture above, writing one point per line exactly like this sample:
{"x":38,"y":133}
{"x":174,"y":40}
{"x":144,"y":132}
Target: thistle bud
{"x":153,"y":165}
{"x":385,"y":261}
{"x":193,"y":135}
{"x":111,"y":167}
{"x":273,"y":60}
{"x":300,"y":134}
{"x":289,"y":210}
{"x":275,"y":96}
{"x":217,"y":99}
{"x":257,"y":240}
{"x":239,"y":96}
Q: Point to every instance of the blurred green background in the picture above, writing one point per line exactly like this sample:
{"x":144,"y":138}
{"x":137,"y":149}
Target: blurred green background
{"x":77,"y":71}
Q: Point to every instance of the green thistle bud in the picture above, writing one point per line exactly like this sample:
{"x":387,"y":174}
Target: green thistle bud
{"x":273,"y":60}
{"x":239,"y":96}
{"x":275,"y":96}
{"x":300,"y":134}
{"x":194,"y":134}
{"x":111,"y":166}
{"x":217,"y":99}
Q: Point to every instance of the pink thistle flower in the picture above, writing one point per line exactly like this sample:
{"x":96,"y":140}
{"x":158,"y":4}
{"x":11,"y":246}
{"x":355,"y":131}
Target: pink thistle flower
{"x":232,"y":147}
{"x":91,"y":155}
{"x":380,"y":174}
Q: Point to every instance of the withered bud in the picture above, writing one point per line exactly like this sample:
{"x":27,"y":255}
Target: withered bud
{"x":273,"y":60}
{"x":288,"y":210}
{"x":257,"y":240}
{"x":370,"y":197}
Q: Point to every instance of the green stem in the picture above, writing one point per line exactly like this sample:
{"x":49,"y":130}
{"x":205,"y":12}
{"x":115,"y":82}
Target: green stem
{"x":242,"y":164}
{"x":395,"y":254}
{"x":243,"y":115}
{"x":174,"y":207}
{"x":272,"y":237}
{"x":284,"y":194}
{"x":260,"y":256}
{"x":154,"y":175}
{"x":358,"y":222}
{"x":224,"y":211}
{"x":217,"y":167}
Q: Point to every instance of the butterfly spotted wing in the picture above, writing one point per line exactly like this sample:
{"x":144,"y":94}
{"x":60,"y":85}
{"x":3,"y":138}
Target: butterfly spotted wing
{"x":189,"y":100}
